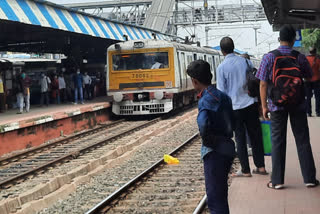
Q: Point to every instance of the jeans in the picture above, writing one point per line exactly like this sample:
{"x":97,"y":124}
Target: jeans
{"x":300,"y":129}
{"x":23,"y":98}
{"x":216,"y":170}
{"x":44,"y":95}
{"x":247,"y":120}
{"x":313,"y":88}
{"x":76,"y":90}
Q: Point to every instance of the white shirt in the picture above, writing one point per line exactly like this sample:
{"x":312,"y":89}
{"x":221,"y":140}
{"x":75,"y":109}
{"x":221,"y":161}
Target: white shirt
{"x":156,"y":65}
{"x":231,"y":77}
{"x":62,"y":83}
{"x":86,"y":79}
{"x":44,"y":83}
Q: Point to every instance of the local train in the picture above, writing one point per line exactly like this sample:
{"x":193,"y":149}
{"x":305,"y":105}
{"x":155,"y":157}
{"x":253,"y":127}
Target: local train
{"x":149,"y":76}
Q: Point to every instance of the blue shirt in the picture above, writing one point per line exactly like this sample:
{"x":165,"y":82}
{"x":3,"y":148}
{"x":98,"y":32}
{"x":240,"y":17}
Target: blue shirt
{"x":232,"y":80}
{"x":215,"y":122}
{"x":77,"y":79}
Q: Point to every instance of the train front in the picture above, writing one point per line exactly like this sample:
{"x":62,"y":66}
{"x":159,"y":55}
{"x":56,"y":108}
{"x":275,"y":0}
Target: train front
{"x":141,"y":77}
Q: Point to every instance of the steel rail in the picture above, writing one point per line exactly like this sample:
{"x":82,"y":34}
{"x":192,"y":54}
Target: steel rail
{"x":20,"y":155}
{"x":201,"y":206}
{"x":124,"y":189}
{"x":72,"y":155}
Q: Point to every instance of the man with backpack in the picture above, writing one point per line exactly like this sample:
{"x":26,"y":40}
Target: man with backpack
{"x":232,"y":80}
{"x":281,"y":76}
{"x":313,"y":84}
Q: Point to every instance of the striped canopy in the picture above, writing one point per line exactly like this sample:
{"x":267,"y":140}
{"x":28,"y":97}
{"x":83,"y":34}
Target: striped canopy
{"x":45,"y":14}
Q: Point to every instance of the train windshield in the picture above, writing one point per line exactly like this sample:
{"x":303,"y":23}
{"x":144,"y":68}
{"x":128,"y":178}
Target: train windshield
{"x":137,"y":61}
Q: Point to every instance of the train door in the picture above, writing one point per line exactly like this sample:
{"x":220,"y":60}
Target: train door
{"x":179,"y":70}
{"x":184,"y":69}
{"x":214,"y":68}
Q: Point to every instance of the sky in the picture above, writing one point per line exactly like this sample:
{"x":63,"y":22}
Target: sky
{"x":244,"y":38}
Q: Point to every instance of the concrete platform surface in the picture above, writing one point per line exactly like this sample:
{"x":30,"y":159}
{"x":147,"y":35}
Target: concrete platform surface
{"x":251,"y":195}
{"x":10,"y":120}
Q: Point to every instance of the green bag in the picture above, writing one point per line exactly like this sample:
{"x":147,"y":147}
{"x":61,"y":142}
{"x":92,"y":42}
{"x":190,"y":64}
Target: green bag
{"x":266,"y":135}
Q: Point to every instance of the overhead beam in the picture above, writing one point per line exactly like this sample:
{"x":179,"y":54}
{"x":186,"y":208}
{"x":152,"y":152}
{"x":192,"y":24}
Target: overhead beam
{"x":108,"y":4}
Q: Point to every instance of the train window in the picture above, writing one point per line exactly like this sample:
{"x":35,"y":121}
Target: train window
{"x":205,"y":57}
{"x":194,"y":56}
{"x":189,"y":59}
{"x":150,"y":60}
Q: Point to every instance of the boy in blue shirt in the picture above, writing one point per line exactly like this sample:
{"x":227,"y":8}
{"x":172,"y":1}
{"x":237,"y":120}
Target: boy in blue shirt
{"x":215,"y":122}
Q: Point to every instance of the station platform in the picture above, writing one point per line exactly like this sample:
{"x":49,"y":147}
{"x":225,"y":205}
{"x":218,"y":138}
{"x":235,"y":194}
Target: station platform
{"x":41,"y":124}
{"x":251,"y":195}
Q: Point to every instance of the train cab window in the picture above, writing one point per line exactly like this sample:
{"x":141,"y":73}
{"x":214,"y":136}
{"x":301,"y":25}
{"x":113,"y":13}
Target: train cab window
{"x":150,"y":60}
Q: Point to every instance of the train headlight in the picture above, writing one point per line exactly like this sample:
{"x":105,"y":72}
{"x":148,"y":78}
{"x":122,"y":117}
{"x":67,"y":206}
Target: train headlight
{"x":118,"y":97}
{"x":158,"y":95}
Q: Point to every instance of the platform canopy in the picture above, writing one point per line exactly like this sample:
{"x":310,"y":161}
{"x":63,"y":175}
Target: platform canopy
{"x":33,"y":21}
{"x":301,"y":13}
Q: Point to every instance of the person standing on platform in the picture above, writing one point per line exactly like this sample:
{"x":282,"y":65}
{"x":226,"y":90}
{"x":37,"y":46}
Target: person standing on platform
{"x":279,"y":114}
{"x":44,"y":84}
{"x":24,"y":83}
{"x":55,"y":89}
{"x":78,"y":87}
{"x":215,"y":122}
{"x":313,"y":85}
{"x":87,"y":82}
{"x":2,"y":95}
{"x":231,"y":79}
{"x":62,"y":88}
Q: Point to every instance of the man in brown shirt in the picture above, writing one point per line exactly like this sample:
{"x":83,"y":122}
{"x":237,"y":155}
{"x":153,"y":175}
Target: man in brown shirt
{"x":313,"y":84}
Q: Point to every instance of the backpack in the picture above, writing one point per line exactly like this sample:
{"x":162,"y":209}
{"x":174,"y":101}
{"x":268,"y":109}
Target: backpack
{"x":253,"y":83}
{"x":287,"y":84}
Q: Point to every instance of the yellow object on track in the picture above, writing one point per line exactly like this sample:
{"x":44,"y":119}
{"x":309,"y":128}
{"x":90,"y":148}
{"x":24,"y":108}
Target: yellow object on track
{"x":170,"y":160}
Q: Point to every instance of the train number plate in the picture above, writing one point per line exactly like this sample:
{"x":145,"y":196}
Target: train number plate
{"x":140,"y":76}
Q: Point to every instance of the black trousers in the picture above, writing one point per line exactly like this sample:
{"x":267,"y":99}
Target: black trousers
{"x":2,"y":102}
{"x":44,"y":95}
{"x":87,"y":91}
{"x":300,"y":129}
{"x":247,"y":119}
{"x":313,"y":88}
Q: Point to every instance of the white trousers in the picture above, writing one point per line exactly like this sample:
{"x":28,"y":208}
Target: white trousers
{"x":23,"y":98}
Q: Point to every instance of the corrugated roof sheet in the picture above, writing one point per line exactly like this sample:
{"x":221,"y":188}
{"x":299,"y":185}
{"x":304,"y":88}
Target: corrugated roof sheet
{"x":45,"y":14}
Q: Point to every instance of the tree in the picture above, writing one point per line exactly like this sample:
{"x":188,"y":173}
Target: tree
{"x":311,"y":38}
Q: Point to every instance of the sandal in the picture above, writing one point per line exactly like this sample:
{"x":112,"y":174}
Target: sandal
{"x":258,"y":172}
{"x":277,"y":186}
{"x":241,"y":174}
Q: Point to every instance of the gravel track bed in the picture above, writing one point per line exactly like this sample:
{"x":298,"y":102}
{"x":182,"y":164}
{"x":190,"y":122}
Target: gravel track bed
{"x":64,"y":148}
{"x":100,"y":186}
{"x":172,"y":189}
{"x":42,"y":178}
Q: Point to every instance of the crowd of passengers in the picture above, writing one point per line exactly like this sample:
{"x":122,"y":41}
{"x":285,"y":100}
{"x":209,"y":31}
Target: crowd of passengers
{"x":279,"y":89}
{"x":55,"y":89}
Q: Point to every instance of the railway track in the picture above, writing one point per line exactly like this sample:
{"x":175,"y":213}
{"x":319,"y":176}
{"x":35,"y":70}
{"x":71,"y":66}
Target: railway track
{"x":162,"y":188}
{"x":21,"y":166}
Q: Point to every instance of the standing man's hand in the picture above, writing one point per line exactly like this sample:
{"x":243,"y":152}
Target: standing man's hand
{"x":263,"y":95}
{"x":265,"y":112}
